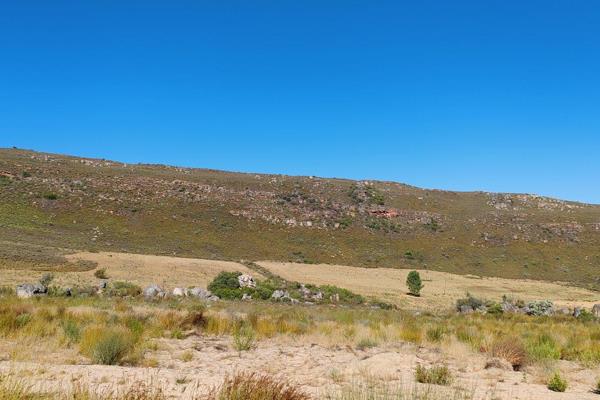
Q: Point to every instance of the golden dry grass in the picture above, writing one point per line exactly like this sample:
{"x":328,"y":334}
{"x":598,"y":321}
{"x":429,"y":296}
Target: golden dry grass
{"x":137,"y":268}
{"x":441,"y":289}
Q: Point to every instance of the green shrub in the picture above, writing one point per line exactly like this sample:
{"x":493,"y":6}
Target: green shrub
{"x":123,"y":289}
{"x":543,"y":347}
{"x":586,"y":316}
{"x":22,"y":319}
{"x":494,"y":308}
{"x":51,"y":196}
{"x":345,"y":296}
{"x":557,"y":383}
{"x":366,"y":343}
{"x":71,"y":331}
{"x":437,"y":375}
{"x":436,"y":334}
{"x":226,"y":286}
{"x":413,"y":281}
{"x":107,"y":346}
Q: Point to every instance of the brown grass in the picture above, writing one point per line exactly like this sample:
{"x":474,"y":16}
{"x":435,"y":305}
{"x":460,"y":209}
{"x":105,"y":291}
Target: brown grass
{"x":253,"y":386}
{"x":510,"y":349}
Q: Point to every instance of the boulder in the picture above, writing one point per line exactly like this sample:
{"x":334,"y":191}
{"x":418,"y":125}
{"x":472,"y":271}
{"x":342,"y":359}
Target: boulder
{"x":27,"y":290}
{"x":317,"y":296}
{"x":280,"y":295}
{"x":577,"y":312}
{"x":246,"y":297}
{"x":564,"y":311}
{"x":465,"y":309}
{"x":306,"y":293}
{"x":509,"y":307}
{"x":202,"y":294}
{"x":179,"y":292}
{"x":596,"y":310}
{"x":153,"y":291}
{"x":246,"y":280}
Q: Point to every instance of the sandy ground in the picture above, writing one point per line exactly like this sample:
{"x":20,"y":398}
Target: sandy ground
{"x":441,"y":289}
{"x":319,"y":369}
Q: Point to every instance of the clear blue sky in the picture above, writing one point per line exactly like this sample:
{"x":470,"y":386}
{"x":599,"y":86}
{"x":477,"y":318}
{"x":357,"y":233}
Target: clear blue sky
{"x":464,"y":95}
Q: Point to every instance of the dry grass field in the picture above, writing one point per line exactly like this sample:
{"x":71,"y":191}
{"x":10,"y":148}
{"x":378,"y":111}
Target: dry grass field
{"x":441,"y":289}
{"x":136,"y":268}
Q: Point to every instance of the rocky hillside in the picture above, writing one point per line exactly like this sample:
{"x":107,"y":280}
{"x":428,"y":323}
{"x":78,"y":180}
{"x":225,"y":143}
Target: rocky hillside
{"x":52,"y":204}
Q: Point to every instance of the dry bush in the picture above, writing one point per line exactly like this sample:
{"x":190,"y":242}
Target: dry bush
{"x":253,"y":386}
{"x":510,"y":349}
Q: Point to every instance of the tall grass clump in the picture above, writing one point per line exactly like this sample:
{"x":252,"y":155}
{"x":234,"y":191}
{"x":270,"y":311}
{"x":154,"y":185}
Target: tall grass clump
{"x":542,"y":348}
{"x":71,"y":331}
{"x":107,"y":346}
{"x":510,"y":349}
{"x":436,"y":375}
{"x":244,"y":337}
{"x":557,"y":383}
{"x":253,"y":386}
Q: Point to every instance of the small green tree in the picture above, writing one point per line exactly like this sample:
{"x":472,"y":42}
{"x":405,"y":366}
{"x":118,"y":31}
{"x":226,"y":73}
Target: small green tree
{"x":413,"y":281}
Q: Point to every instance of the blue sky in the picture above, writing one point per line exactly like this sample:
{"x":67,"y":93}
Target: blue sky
{"x":461,"y":95}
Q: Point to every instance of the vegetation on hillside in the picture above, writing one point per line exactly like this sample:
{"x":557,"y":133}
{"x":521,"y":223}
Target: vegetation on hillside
{"x":51,"y":205}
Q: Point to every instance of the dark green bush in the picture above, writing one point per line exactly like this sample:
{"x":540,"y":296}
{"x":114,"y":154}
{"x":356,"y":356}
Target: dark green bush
{"x":225,"y":280}
{"x":345,"y":295}
{"x":413,"y":281}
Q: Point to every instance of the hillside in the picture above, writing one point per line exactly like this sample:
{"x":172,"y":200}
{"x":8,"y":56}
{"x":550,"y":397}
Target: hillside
{"x":51,"y":205}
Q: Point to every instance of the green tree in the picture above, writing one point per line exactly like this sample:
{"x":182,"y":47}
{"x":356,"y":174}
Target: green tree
{"x":413,"y":281}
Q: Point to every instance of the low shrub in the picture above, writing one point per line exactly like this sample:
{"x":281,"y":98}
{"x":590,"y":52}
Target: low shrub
{"x":557,"y":383}
{"x":435,"y":334}
{"x":243,"y":338}
{"x":436,"y":375}
{"x":123,"y":289}
{"x":107,"y":346}
{"x":345,"y":296}
{"x":71,"y":331}
{"x":101,"y":273}
{"x":253,"y":386}
{"x":366,"y":343}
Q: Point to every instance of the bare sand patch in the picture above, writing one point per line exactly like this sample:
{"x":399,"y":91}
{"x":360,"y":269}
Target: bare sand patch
{"x":319,"y":370}
{"x":441,"y":289}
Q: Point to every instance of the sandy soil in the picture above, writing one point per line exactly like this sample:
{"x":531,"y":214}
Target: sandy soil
{"x":319,"y":369}
{"x":441,"y":289}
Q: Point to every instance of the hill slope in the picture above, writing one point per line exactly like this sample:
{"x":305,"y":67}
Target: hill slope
{"x":50,"y":204}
